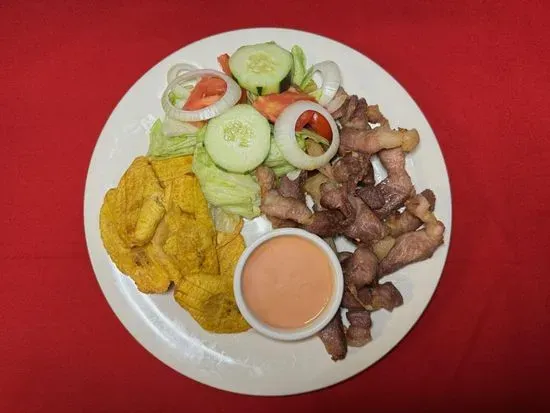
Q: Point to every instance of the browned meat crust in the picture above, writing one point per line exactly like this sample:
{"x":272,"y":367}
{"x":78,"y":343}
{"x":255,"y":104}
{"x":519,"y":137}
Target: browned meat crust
{"x":360,"y":269}
{"x":399,"y":223}
{"x":413,"y":247}
{"x":358,"y":333}
{"x":276,"y":205}
{"x":397,"y":187}
{"x":333,"y":337}
{"x":325,"y":223}
{"x":293,"y":189}
{"x":366,"y":227}
{"x":372,"y":196}
{"x":385,"y":296}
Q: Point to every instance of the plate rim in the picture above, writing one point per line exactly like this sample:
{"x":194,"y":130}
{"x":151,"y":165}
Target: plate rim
{"x":116,"y":307}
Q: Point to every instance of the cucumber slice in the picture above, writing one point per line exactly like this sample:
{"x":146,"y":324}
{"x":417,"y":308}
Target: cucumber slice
{"x":239,"y":139}
{"x":262,"y":68}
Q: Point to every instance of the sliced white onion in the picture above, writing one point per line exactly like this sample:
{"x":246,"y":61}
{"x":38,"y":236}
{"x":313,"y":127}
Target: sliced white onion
{"x":293,"y":175}
{"x":229,"y":99}
{"x":172,"y":127}
{"x":338,"y":100}
{"x":179,"y":69}
{"x":331,"y":80}
{"x":285,"y":136}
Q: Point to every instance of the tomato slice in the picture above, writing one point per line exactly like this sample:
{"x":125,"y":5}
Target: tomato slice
{"x":201,"y":103}
{"x":304,"y":119}
{"x":320,"y":126}
{"x":208,"y":90}
{"x":271,"y":106}
{"x":223,"y":60}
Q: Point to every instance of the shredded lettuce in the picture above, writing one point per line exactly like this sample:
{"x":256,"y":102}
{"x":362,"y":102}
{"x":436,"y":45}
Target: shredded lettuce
{"x":276,"y":161}
{"x":299,"y":65}
{"x":162,"y":146}
{"x":233,"y":192}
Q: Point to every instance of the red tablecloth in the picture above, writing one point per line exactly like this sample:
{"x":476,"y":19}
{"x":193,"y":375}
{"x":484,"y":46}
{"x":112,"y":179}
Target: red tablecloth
{"x":479,"y":71}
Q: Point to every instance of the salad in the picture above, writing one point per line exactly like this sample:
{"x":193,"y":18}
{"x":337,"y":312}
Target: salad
{"x":262,"y":109}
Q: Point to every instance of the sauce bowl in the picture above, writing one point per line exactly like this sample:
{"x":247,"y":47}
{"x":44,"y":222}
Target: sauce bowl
{"x":313,"y":326}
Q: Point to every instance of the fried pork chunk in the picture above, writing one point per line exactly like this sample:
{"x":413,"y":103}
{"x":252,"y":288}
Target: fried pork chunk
{"x":397,"y":187}
{"x":360,"y":268}
{"x":366,"y":227}
{"x":370,"y":141}
{"x":418,"y":245}
{"x":282,"y":210}
{"x":374,"y":298}
{"x":358,"y":332}
{"x":333,"y":337}
{"x":401,"y":222}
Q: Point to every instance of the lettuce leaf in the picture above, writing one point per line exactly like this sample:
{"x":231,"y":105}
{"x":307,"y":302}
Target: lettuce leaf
{"x":299,"y":65}
{"x":162,"y":146}
{"x":233,"y":192}
{"x":276,"y":161}
{"x":300,"y":76}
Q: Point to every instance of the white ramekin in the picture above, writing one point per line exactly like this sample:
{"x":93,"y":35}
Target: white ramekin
{"x":318,"y":323}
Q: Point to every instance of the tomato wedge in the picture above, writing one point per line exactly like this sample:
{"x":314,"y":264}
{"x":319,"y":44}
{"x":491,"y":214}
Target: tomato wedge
{"x":201,"y":103}
{"x":304,"y":119}
{"x":271,"y":106}
{"x":320,"y":125}
{"x":223,"y":60}
{"x":207,"y":91}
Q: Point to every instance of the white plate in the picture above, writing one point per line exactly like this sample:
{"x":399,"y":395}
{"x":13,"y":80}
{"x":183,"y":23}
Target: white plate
{"x":249,"y":363}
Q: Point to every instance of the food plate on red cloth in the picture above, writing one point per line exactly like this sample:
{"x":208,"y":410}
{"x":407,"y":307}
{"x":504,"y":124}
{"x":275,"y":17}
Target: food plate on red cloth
{"x":248,"y":362}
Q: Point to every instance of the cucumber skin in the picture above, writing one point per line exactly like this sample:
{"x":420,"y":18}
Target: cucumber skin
{"x":279,"y":87}
{"x":282,"y":86}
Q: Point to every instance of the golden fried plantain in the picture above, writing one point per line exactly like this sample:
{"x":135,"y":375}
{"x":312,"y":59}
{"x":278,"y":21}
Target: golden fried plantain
{"x":157,"y":229}
{"x":174,"y":175}
{"x":138,"y":205}
{"x":209,"y":299}
{"x":148,"y":266}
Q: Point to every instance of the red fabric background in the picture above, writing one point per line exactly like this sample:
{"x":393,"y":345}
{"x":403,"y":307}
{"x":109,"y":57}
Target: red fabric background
{"x":479,"y":71}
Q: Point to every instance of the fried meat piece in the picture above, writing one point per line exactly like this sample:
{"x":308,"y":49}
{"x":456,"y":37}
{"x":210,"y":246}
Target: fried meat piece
{"x":399,"y":223}
{"x":382,"y":248}
{"x":370,"y":141}
{"x":276,"y":205}
{"x":372,"y":196}
{"x":360,"y":269}
{"x":398,"y":186}
{"x":351,"y":169}
{"x":293,"y":188}
{"x":366,"y":227}
{"x":418,"y":245}
{"x":358,"y":332}
{"x":326,"y":223}
{"x":375,"y":116}
{"x":385,"y":296}
{"x":335,"y":197}
{"x":266,"y":179}
{"x":333,"y":337}
{"x":279,"y":209}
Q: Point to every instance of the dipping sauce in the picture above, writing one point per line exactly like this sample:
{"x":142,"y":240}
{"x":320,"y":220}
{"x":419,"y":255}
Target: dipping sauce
{"x":287,"y":281}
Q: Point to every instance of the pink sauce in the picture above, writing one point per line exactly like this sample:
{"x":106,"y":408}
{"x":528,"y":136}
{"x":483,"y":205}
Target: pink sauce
{"x":287,"y":281}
